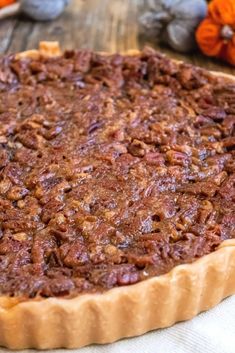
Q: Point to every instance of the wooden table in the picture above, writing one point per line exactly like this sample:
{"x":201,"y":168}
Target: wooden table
{"x":104,"y":25}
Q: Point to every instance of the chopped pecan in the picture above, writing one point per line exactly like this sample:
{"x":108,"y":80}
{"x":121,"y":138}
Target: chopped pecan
{"x":155,"y":158}
{"x":4,"y":158}
{"x":113,"y":169}
{"x":177,"y":158}
{"x":17,"y":193}
{"x":138,"y":148}
{"x":215,"y":113}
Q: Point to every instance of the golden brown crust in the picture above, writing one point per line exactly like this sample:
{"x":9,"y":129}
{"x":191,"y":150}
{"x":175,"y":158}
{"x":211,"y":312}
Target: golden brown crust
{"x":47,"y":49}
{"x":120,"y":312}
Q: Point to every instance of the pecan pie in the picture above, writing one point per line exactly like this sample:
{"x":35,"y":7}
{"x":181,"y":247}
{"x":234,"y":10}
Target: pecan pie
{"x":117,"y":195}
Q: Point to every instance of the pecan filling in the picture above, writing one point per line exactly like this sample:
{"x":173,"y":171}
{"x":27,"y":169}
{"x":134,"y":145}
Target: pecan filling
{"x":113,"y":169}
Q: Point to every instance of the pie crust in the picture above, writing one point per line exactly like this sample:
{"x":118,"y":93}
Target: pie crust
{"x":120,"y":312}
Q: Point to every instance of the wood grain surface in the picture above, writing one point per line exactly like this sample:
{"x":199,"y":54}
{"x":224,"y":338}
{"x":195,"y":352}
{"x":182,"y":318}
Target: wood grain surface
{"x":104,"y":25}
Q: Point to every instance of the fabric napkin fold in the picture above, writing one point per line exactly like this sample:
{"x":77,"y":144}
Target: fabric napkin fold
{"x":210,"y":332}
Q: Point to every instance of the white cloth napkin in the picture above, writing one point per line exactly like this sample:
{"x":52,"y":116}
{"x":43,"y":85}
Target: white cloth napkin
{"x":210,"y":332}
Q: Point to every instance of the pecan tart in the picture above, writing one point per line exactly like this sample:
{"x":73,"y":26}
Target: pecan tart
{"x":117,"y":195}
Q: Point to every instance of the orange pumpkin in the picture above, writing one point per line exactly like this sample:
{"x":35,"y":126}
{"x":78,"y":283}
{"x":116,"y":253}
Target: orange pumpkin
{"x":4,"y":3}
{"x":216,"y":33}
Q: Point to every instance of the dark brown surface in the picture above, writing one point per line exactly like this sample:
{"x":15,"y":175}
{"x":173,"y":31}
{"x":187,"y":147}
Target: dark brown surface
{"x":112,"y":170}
{"x":99,"y":25}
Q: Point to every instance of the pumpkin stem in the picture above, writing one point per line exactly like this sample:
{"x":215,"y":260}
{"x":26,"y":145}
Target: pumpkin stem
{"x":227,"y":32}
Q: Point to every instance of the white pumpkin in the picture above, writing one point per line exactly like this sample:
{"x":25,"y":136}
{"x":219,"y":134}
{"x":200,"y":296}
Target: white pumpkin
{"x":43,"y":10}
{"x":174,"y":21}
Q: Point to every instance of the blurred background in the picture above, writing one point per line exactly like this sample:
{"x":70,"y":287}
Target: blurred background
{"x":101,"y":25}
